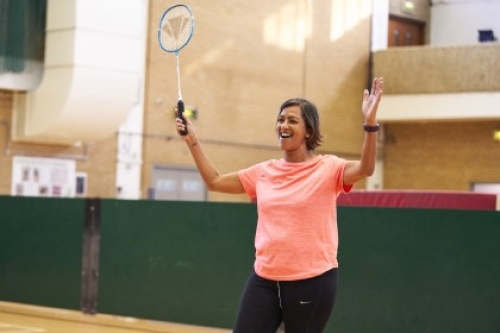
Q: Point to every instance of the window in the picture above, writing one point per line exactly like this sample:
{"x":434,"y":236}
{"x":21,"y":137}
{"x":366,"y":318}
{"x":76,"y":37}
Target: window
{"x":171,"y":183}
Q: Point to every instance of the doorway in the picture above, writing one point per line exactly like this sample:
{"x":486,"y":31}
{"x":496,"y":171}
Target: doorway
{"x":405,"y":32}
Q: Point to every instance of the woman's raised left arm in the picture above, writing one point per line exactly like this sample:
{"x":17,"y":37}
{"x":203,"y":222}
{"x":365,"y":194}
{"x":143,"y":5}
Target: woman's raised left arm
{"x":357,"y":170}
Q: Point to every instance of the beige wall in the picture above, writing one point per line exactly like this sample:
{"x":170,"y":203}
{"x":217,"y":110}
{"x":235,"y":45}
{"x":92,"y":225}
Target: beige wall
{"x":238,"y":82}
{"x":441,"y":155}
{"x":437,"y":70}
{"x":447,"y":155}
{"x":238,"y":78}
{"x":97,"y":159}
{"x":5,"y":161}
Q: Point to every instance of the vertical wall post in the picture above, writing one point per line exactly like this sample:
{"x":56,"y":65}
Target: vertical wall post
{"x":90,"y":256}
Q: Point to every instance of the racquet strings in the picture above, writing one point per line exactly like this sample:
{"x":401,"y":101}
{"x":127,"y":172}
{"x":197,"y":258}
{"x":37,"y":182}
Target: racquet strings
{"x":176,"y":28}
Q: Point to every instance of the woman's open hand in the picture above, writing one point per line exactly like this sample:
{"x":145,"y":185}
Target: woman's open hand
{"x":371,"y":99}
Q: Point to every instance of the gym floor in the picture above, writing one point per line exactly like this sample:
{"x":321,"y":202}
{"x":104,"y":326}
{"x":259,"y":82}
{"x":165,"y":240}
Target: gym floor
{"x":21,"y":318}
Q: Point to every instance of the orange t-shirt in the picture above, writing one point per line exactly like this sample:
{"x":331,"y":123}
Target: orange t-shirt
{"x":297,"y":236}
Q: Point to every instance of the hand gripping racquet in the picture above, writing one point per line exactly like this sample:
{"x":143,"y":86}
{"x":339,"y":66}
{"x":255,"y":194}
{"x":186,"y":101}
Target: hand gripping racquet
{"x":175,"y":32}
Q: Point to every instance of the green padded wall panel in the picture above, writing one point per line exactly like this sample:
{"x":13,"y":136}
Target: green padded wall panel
{"x":417,"y":270}
{"x":175,"y":261}
{"x":41,"y":251}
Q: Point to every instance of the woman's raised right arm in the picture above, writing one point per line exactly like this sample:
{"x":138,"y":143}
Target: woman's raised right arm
{"x":227,"y":183}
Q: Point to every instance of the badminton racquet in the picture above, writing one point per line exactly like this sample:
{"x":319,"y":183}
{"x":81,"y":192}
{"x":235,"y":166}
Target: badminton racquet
{"x":175,"y":32}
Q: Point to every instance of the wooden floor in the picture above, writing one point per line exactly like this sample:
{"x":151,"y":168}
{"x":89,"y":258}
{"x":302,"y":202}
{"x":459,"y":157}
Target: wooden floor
{"x":20,"y":318}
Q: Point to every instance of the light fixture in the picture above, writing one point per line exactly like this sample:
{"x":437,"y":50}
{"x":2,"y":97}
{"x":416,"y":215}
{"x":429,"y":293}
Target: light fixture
{"x":407,"y":6}
{"x":496,"y":135}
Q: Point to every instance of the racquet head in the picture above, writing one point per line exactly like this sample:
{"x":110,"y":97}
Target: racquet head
{"x":176,"y":28}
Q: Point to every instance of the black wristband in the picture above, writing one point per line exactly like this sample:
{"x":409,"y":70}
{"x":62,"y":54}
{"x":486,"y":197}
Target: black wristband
{"x":369,"y":128}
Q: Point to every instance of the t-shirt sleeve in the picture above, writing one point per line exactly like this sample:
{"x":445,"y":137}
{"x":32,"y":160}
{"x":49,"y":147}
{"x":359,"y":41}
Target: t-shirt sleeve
{"x":339,"y":167}
{"x":248,"y":178}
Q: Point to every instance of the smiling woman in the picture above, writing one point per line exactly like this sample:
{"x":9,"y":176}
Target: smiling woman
{"x":294,"y":280}
{"x":300,"y":111}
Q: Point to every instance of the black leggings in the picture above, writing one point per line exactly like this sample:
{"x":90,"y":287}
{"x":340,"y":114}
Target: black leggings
{"x":304,"y":306}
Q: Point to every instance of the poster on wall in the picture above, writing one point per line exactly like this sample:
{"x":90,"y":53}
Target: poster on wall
{"x":81,"y":185}
{"x":43,"y":177}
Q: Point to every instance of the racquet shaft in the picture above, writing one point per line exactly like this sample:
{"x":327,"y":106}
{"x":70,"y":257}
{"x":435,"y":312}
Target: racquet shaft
{"x":180,"y":102}
{"x":178,"y":76}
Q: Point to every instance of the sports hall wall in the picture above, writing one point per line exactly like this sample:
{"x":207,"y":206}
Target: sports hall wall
{"x":446,"y":154}
{"x":237,"y":79}
{"x":441,"y":156}
{"x":97,"y":159}
{"x":401,"y":269}
{"x":239,"y":67}
{"x":237,"y":74}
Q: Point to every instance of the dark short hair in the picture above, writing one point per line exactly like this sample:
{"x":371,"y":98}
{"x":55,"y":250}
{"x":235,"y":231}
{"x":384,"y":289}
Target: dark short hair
{"x":309,"y":113}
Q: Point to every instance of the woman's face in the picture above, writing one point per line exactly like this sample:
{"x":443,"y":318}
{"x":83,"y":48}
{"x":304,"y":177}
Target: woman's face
{"x":291,"y":128}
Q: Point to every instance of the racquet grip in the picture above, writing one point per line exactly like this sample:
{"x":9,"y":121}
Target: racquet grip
{"x":180,"y":112}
